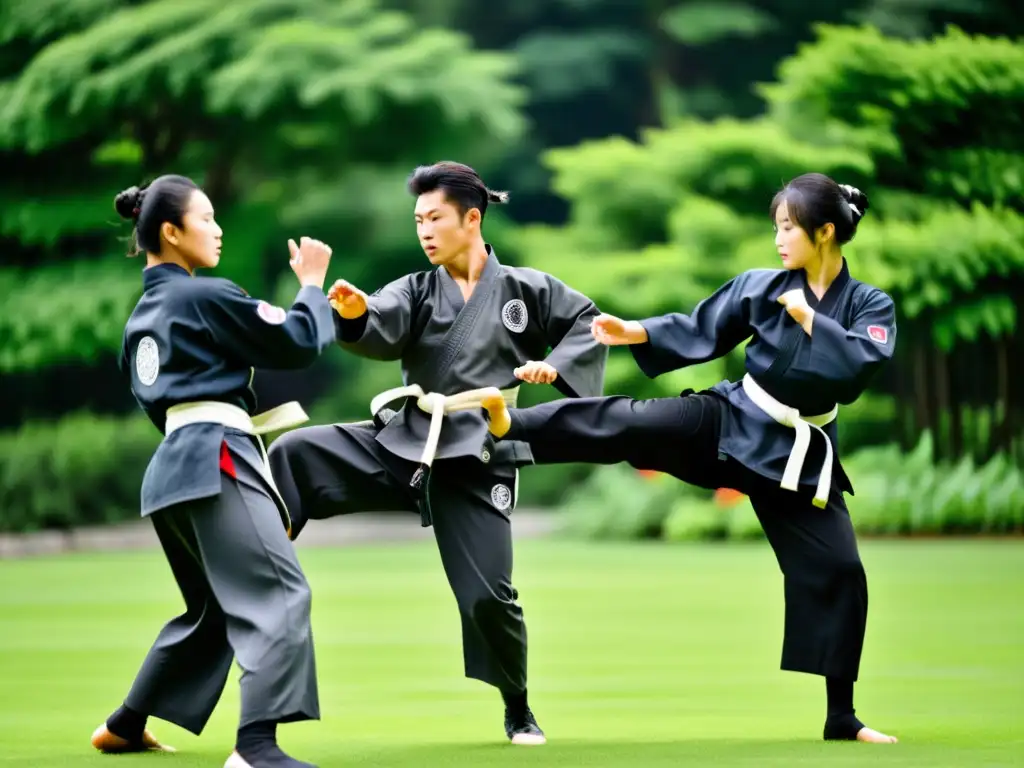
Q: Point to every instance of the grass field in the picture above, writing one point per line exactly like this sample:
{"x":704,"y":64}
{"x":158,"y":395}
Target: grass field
{"x":641,"y":655}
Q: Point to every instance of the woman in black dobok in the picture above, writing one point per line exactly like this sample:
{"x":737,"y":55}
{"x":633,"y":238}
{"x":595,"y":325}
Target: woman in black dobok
{"x":189,"y":350}
{"x":817,"y":336}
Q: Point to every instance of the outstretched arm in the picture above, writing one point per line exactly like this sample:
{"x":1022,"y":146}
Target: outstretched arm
{"x":673,"y":341}
{"x":377,"y":326}
{"x":264,"y":336}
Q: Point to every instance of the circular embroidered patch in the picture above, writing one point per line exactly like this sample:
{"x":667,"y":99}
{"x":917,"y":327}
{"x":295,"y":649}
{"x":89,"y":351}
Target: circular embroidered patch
{"x":271,"y":314}
{"x":514,"y":316}
{"x":147,"y":361}
{"x":501,"y":497}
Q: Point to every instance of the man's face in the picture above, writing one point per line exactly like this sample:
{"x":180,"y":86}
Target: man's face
{"x":443,"y":232}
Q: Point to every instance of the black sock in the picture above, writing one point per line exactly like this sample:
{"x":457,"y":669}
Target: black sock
{"x":515,"y":701}
{"x":841,"y":724}
{"x":127,"y":723}
{"x":256,"y":738}
{"x":840,"y":696}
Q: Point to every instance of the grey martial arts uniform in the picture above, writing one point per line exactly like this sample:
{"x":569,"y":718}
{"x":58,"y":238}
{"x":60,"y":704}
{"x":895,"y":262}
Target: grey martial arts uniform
{"x":725,"y":437}
{"x":448,"y":346}
{"x":189,"y":348}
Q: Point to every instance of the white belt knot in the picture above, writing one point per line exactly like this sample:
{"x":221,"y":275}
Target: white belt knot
{"x":791,"y":417}
{"x":283,"y":416}
{"x":437,"y":405}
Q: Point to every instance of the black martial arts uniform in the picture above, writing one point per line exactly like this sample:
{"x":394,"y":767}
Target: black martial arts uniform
{"x":448,"y":345}
{"x":725,"y":438}
{"x":190,"y":347}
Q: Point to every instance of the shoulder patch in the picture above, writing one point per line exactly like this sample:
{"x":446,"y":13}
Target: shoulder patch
{"x":514,"y":315}
{"x":501,"y":497}
{"x":271,"y":314}
{"x":147,"y":361}
{"x":878,"y":333}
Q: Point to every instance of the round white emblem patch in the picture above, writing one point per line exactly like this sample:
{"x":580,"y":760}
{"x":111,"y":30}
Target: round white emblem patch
{"x":271,"y":314}
{"x":514,"y":316}
{"x":501,"y":497}
{"x":147,"y":361}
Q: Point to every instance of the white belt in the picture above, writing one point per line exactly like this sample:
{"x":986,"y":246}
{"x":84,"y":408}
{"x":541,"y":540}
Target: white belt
{"x":437,"y":405}
{"x":790,"y":417}
{"x":283,"y":416}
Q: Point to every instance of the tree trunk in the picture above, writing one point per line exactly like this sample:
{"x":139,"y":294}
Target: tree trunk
{"x":941,"y":412}
{"x":921,"y":389}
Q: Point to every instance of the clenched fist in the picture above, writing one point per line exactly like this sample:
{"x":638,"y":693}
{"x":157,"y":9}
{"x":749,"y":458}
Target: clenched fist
{"x":796,"y":305}
{"x":347,"y":300}
{"x":614,"y":331}
{"x":536,"y":372}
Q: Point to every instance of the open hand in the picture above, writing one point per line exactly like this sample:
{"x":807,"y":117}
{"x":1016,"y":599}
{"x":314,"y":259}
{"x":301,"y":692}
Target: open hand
{"x":536,"y":372}
{"x":347,"y":300}
{"x":309,"y":261}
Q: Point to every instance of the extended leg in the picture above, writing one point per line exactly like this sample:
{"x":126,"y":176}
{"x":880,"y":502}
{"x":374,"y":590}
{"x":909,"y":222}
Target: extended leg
{"x":333,"y":470}
{"x":677,"y":435}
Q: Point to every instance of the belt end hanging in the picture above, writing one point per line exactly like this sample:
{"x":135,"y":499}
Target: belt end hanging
{"x":420,"y":486}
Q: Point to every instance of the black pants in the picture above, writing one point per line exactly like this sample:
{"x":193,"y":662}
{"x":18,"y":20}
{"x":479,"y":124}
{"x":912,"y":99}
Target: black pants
{"x":246,"y":598}
{"x":825,"y":586}
{"x":340,"y":469}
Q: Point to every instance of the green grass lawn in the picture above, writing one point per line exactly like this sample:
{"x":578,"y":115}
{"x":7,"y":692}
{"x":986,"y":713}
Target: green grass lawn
{"x":641,"y":655}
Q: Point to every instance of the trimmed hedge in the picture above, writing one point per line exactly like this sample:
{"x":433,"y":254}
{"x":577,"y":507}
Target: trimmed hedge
{"x":80,"y":470}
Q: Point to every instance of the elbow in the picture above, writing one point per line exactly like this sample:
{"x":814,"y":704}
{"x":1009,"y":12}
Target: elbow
{"x":306,"y":348}
{"x":304,"y":355}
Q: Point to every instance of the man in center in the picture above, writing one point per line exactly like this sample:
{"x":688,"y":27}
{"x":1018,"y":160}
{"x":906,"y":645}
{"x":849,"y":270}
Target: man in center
{"x":468,"y":324}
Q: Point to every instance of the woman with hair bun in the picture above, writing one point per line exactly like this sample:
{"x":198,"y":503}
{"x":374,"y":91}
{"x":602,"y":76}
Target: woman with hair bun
{"x":817,"y":337}
{"x":189,"y":350}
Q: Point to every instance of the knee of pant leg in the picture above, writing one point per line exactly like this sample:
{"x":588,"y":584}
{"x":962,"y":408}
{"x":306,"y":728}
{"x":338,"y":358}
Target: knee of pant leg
{"x":848,"y":568}
{"x":284,"y":446}
{"x":490,"y":608}
{"x":296,"y":618}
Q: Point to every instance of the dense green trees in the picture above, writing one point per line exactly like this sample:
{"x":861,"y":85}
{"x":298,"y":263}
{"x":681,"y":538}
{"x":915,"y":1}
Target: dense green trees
{"x":640,"y":157}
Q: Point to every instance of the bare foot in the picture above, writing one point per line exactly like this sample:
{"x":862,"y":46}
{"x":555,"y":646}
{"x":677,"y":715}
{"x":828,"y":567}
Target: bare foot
{"x":499,"y":421}
{"x":872,"y":736}
{"x":108,"y":742}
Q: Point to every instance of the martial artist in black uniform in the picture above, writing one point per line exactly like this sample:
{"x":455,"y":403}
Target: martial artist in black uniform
{"x":817,"y":336}
{"x":189,"y":350}
{"x":470,"y":323}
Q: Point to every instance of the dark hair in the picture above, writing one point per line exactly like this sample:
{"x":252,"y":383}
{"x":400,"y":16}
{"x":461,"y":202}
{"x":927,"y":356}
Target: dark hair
{"x":814,"y":200}
{"x":165,"y":199}
{"x":462,"y":186}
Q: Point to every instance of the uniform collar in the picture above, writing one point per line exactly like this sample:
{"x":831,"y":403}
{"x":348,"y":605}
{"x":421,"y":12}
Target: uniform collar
{"x":161,"y":273}
{"x":835,"y":290}
{"x":490,"y":271}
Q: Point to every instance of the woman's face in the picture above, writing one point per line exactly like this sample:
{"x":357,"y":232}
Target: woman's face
{"x":794,"y":245}
{"x":198,"y":240}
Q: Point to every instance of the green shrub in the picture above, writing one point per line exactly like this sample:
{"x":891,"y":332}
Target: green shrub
{"x":912,"y":494}
{"x":80,"y":470}
{"x":896,"y":494}
{"x":617,"y":502}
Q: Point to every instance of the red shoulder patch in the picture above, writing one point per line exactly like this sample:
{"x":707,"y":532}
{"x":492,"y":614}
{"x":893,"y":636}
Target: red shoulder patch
{"x":271,"y":314}
{"x":878,"y":333}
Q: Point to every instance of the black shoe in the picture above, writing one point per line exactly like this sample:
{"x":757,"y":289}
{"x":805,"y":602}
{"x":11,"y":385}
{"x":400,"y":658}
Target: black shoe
{"x":521,"y":728}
